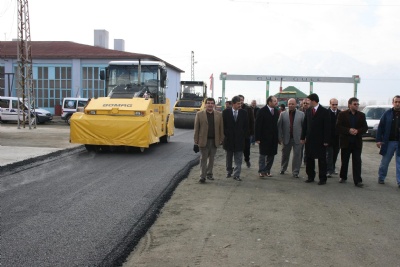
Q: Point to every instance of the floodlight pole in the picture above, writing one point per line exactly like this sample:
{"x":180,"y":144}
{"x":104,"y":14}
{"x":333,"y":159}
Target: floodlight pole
{"x":311,"y":87}
{"x":355,"y":89}
{"x":356,"y":81}
{"x":223,"y":78}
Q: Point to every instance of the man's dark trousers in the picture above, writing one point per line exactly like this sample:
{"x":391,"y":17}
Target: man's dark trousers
{"x":356,"y":162}
{"x":246,"y":151}
{"x":322,"y":166}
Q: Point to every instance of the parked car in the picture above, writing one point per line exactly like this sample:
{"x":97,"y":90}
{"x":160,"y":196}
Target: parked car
{"x":373,"y":131}
{"x":70,"y":106}
{"x":373,"y":114}
{"x":9,"y":111}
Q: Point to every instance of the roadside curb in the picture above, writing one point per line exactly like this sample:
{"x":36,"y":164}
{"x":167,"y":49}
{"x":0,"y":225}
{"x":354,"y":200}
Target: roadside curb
{"x":119,"y":255}
{"x":34,"y":161}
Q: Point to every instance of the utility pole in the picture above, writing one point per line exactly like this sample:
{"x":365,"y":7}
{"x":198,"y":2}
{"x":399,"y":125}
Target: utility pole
{"x":25,"y":77}
{"x":193,"y":62}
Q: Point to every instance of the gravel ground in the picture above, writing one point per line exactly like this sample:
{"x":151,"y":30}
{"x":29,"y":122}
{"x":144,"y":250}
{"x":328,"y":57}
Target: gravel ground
{"x":278,"y":221}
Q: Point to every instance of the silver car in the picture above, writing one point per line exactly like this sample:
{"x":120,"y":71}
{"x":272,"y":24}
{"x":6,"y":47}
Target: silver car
{"x":373,"y":114}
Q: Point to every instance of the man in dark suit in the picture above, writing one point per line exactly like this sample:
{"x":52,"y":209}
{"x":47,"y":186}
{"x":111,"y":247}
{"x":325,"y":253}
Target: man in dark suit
{"x":254,"y":109}
{"x":249,"y":132}
{"x":266,"y":135}
{"x":351,"y":125}
{"x":333,"y":148}
{"x":316,"y":136}
{"x":235,"y":129}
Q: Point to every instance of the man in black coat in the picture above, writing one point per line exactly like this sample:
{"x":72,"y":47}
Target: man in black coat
{"x":316,"y":135}
{"x":254,"y":109}
{"x":333,"y":148}
{"x":250,"y":131}
{"x":235,"y":130}
{"x":266,"y":135}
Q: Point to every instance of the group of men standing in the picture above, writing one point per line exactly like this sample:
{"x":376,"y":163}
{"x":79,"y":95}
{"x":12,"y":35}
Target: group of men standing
{"x":314,"y":133}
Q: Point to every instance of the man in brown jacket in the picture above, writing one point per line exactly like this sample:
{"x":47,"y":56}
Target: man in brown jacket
{"x":208,"y":135}
{"x":351,"y":125}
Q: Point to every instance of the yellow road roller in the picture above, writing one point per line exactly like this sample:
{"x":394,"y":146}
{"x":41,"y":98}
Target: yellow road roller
{"x":192,"y":98}
{"x":135,"y":113}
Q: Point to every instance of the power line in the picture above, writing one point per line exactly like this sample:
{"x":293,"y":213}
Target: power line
{"x":3,"y":14}
{"x":313,"y":4}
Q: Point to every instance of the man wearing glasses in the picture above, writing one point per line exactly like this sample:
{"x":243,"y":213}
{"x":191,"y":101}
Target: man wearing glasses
{"x":351,"y":125}
{"x":333,"y":148}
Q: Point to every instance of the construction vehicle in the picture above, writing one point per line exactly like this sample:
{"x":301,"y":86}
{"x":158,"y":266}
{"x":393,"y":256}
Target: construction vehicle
{"x":135,"y":113}
{"x":218,"y":105}
{"x":192,"y":98}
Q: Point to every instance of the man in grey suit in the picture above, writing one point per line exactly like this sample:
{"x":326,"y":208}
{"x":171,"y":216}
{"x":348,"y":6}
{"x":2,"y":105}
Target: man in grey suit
{"x":289,"y":132}
{"x":208,"y":135}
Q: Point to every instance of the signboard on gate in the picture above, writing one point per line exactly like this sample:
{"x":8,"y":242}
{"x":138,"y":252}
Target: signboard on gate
{"x":353,"y":79}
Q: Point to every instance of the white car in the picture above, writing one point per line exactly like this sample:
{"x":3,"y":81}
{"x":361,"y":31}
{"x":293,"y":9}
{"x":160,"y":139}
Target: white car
{"x":9,"y":111}
{"x":71,"y":105}
{"x":373,"y":114}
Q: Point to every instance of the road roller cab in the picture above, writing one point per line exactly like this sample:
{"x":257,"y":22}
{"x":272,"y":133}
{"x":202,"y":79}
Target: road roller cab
{"x":134,"y":114}
{"x":191,"y":99}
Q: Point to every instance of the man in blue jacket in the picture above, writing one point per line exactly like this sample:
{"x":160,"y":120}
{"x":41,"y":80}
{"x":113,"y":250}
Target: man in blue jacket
{"x":388,"y":140}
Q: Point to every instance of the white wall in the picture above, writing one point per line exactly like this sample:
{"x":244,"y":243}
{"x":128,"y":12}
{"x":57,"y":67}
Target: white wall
{"x":174,"y":80}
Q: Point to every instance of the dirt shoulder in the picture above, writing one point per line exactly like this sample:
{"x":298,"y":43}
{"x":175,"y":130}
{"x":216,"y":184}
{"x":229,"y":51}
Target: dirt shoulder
{"x":277,"y":221}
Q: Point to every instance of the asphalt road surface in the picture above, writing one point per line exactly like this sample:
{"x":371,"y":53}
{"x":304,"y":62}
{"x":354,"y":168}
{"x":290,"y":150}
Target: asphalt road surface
{"x":86,"y":209}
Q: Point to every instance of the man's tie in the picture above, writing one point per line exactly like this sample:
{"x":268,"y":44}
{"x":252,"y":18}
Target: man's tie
{"x":313,"y":111}
{"x":272,"y":111}
{"x":235,"y":114}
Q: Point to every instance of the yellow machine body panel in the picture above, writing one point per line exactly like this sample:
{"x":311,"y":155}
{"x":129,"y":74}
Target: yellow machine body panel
{"x":135,"y":122}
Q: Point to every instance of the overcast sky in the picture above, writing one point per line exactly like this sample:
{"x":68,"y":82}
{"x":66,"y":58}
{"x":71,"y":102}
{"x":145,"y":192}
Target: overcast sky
{"x":335,"y":38}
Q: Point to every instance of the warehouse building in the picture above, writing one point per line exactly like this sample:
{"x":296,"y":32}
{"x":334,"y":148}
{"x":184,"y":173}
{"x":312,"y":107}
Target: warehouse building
{"x":66,"y":69}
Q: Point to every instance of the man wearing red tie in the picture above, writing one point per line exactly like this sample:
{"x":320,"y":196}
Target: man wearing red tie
{"x":315,"y":135}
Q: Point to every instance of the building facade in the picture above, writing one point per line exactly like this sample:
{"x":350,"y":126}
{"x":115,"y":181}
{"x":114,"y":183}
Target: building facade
{"x":68,"y":69}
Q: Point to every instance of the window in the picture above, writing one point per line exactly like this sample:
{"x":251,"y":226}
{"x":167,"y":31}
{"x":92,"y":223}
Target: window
{"x":51,"y":85}
{"x":92,"y":86}
{"x":4,"y":103}
{"x":2,"y":81}
{"x":70,"y":104}
{"x":82,"y":103}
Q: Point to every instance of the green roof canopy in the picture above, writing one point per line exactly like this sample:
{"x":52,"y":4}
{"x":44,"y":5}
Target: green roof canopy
{"x":299,"y":94}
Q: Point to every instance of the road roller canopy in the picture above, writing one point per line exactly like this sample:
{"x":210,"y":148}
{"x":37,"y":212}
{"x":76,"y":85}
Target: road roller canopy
{"x":193,"y":90}
{"x":128,"y":79}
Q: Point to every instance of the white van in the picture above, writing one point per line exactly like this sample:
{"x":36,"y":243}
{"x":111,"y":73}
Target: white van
{"x":9,"y":111}
{"x":373,"y":115}
{"x":70,"y":105}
